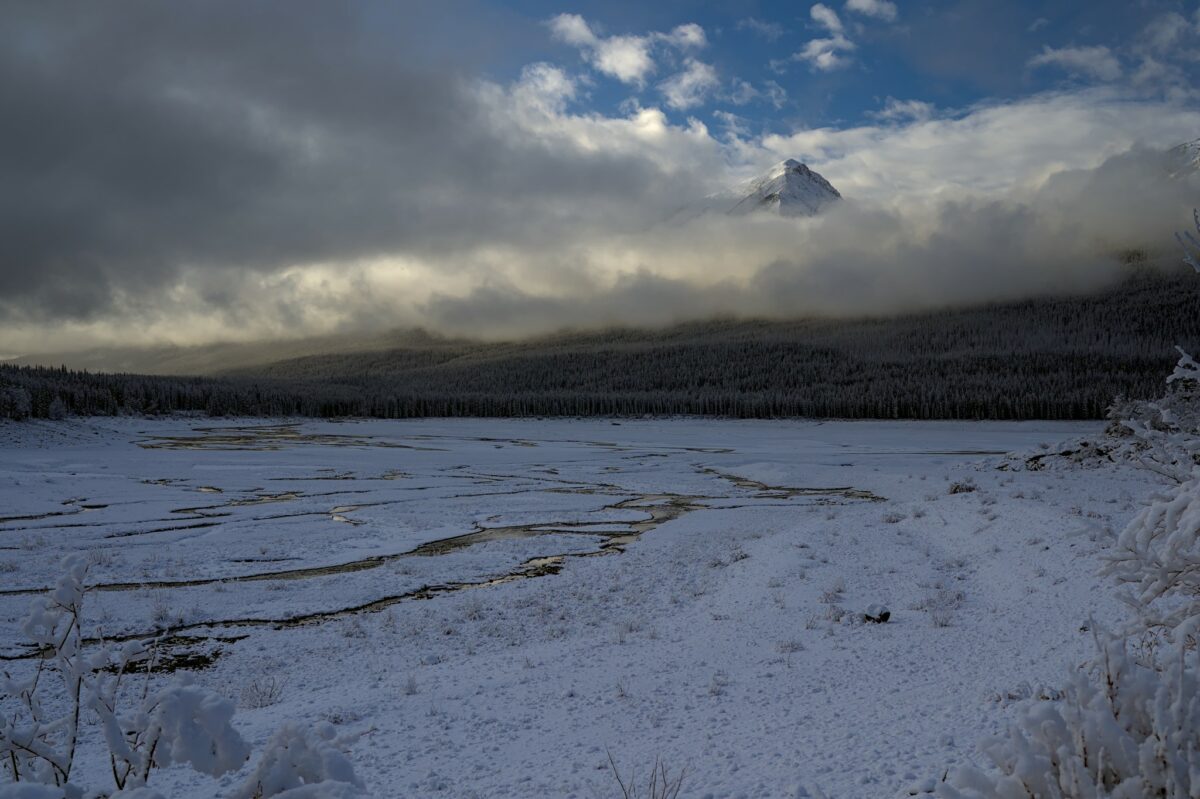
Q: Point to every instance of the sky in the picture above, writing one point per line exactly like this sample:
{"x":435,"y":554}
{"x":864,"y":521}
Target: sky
{"x":193,"y":172}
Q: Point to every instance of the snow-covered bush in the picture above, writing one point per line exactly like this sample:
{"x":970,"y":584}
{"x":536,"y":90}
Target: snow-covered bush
{"x":1157,"y":558}
{"x":1122,"y":731}
{"x":1164,"y":434}
{"x":302,"y":763}
{"x":42,"y":715}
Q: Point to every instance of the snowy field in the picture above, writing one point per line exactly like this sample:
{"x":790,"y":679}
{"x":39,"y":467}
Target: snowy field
{"x":497,"y":606}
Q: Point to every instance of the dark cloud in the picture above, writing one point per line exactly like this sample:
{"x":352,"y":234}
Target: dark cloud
{"x":143,"y":140}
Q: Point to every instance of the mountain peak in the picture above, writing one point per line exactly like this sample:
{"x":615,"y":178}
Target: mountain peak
{"x":790,"y":188}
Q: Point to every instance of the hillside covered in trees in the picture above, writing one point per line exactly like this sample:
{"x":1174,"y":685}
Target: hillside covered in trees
{"x":1059,"y":358}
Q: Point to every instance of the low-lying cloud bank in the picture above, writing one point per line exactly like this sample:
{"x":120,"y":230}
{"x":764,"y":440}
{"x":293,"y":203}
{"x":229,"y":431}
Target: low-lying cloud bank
{"x":861,"y":257}
{"x":176,"y":175}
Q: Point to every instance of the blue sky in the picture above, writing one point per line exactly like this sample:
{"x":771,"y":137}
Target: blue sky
{"x":946,"y":55}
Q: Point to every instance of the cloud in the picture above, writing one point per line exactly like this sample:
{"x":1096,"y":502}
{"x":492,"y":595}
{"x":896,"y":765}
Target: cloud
{"x":770,"y":31}
{"x":880,"y":9}
{"x":689,"y":35}
{"x":1168,"y":49}
{"x":1094,"y":62}
{"x":744,"y":93}
{"x":858,"y":258}
{"x":734,"y":125}
{"x":988,"y":149}
{"x":626,"y":58}
{"x":832,"y":52}
{"x":1165,"y":32}
{"x":899,"y":110}
{"x":690,"y":87}
{"x":172,"y":174}
{"x":826,"y":55}
{"x":775,"y":94}
{"x":629,"y":58}
{"x":573,"y":29}
{"x":827,"y":18}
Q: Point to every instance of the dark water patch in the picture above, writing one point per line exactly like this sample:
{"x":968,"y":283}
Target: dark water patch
{"x":72,"y":525}
{"x":164,"y":653}
{"x":935,"y":452}
{"x":766,"y":491}
{"x":173,"y":653}
{"x":171,"y":529}
{"x":260,"y":560}
{"x":265,"y":438}
{"x":32,"y":517}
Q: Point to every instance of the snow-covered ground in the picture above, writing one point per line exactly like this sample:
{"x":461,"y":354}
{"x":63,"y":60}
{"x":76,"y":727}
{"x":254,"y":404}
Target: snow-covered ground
{"x":499,"y":605}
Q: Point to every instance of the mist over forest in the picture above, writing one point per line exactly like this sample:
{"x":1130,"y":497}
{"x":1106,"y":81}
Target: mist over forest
{"x":1050,"y":358}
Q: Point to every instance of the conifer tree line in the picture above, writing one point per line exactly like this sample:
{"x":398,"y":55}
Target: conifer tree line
{"x":1062,"y":358}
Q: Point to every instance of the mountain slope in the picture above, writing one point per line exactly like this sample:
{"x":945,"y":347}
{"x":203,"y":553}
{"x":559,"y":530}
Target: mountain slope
{"x":1184,"y":159}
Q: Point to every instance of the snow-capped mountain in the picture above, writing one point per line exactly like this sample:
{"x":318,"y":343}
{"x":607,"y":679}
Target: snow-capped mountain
{"x":1184,"y":159}
{"x":788,"y":189}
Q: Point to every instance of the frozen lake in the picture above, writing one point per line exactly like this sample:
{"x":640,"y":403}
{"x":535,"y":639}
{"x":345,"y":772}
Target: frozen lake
{"x":498,"y":605}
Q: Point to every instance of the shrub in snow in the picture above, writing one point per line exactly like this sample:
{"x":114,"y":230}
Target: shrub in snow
{"x":41,"y":716}
{"x":941,"y":617}
{"x":659,"y":784}
{"x":1122,"y":731}
{"x":259,"y":693}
